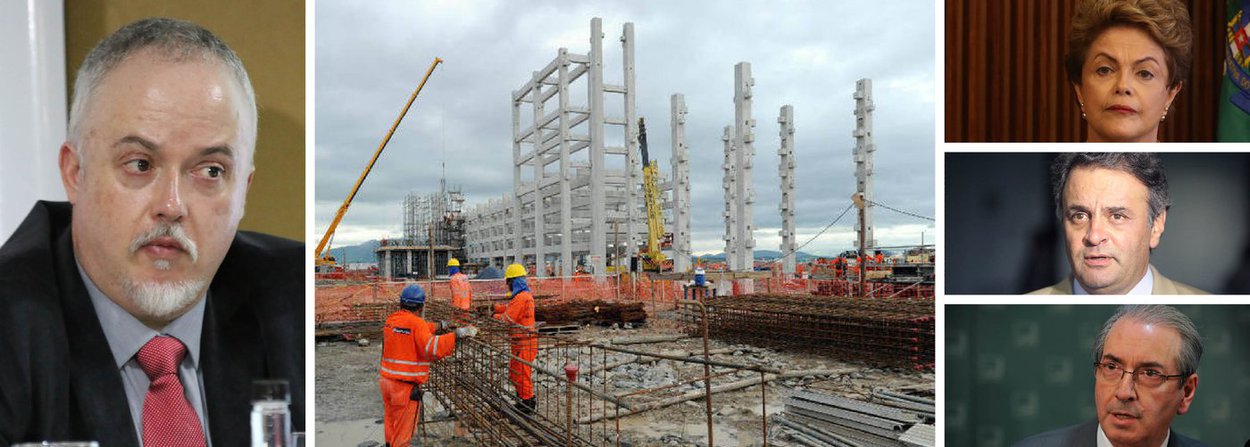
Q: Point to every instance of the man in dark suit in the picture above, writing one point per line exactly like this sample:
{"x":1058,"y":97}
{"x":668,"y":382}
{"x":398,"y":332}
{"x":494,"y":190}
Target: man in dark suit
{"x":137,"y":312}
{"x":1145,"y":369}
{"x":1114,"y":209}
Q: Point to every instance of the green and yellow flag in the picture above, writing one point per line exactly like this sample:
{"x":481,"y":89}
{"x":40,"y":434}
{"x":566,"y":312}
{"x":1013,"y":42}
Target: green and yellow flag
{"x":1235,"y":94}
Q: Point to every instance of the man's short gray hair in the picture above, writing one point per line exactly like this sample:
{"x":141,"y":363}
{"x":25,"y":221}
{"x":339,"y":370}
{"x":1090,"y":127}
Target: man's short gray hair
{"x":174,"y":39}
{"x":1146,"y":167}
{"x":1166,"y":316}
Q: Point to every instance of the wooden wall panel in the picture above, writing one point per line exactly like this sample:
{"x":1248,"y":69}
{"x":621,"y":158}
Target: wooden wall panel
{"x":1005,"y":80}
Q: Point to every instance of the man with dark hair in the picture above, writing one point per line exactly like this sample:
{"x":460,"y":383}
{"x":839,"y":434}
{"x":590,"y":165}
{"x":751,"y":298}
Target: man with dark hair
{"x":1114,"y":208}
{"x":1145,"y":374}
{"x":137,"y":312}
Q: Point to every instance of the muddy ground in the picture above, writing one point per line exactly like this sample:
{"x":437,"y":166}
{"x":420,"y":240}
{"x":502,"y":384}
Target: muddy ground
{"x":348,"y":405}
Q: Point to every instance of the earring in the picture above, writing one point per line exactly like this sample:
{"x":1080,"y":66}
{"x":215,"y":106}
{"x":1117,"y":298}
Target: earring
{"x":1165,"y":115}
{"x":1083,"y":109}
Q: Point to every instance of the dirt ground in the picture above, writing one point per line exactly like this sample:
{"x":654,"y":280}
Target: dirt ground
{"x":348,"y":404}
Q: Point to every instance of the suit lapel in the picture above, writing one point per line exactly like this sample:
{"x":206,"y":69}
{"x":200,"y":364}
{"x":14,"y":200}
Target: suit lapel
{"x":95,"y":381}
{"x":1162,"y":285}
{"x":231,"y":351}
{"x":1085,"y":435}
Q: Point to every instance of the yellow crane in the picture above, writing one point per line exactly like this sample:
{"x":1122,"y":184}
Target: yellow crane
{"x":323,"y":258}
{"x":652,"y":258}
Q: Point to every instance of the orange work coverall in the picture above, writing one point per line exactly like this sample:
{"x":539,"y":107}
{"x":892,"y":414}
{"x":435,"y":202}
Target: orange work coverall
{"x":409,"y":346}
{"x":461,"y":293}
{"x":520,"y":311}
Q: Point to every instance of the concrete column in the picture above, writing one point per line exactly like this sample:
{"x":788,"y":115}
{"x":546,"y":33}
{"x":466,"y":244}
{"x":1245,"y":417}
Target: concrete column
{"x":598,"y":221}
{"x":515,"y":195}
{"x":864,"y":149}
{"x":744,"y":138}
{"x":566,"y":197}
{"x":633,"y":186}
{"x":540,"y":228}
{"x":786,"y":171}
{"x":731,"y":201}
{"x":681,"y":186}
{"x":386,"y":265}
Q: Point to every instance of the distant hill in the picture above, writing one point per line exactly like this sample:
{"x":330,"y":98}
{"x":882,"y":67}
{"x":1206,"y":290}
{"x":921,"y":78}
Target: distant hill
{"x":356,"y":253}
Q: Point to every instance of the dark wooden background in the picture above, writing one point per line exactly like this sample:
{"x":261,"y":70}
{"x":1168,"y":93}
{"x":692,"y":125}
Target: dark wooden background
{"x":1005,"y":80}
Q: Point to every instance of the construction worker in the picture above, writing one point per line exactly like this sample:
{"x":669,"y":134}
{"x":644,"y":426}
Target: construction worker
{"x":461,"y":293}
{"x":699,"y":286}
{"x":409,"y":346}
{"x":520,"y":314}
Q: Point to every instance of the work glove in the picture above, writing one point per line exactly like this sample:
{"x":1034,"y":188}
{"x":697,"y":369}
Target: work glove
{"x":467,"y":331}
{"x":443,"y":326}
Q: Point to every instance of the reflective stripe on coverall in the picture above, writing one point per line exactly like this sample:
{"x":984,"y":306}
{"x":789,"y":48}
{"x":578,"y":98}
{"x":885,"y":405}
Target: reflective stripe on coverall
{"x":408,"y":347}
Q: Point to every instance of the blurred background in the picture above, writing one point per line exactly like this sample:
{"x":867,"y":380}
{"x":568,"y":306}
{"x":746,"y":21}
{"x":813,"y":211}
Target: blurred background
{"x":46,"y":41}
{"x":1003,"y":237}
{"x":1005,"y":79}
{"x":1015,"y":371}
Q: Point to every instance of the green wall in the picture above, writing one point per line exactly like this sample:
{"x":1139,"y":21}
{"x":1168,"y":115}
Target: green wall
{"x":1015,"y":371}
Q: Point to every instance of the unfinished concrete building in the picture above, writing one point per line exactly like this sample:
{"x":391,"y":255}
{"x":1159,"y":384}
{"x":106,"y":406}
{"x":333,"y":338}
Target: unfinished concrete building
{"x":576,"y":175}
{"x":434,"y":231}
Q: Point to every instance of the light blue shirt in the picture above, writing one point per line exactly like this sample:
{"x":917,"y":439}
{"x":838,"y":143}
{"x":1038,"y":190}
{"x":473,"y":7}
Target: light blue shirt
{"x":1104,"y":442}
{"x":126,"y":335}
{"x":1144,"y":287}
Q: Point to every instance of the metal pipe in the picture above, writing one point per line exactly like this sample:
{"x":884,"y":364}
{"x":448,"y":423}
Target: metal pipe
{"x":707,"y":373}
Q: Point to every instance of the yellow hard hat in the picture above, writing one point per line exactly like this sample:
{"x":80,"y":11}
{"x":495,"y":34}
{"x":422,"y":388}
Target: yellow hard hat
{"x":453,"y":263}
{"x":514,"y":270}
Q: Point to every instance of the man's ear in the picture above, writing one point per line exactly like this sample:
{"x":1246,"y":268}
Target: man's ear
{"x":1188,"y":389}
{"x":70,"y":163}
{"x":1156,"y":230}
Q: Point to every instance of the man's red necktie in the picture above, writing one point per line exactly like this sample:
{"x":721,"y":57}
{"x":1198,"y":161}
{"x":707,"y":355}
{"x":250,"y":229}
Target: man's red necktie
{"x":168,"y":419}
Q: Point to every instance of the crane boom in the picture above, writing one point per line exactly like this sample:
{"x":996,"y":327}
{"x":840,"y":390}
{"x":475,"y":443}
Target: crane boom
{"x":322,"y":254}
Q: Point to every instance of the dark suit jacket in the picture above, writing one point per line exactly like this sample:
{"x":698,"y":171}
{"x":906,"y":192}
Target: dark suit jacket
{"x":1086,"y":435}
{"x":58,"y":380}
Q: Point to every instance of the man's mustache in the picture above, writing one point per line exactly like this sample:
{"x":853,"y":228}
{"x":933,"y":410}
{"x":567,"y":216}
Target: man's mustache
{"x":169,"y":230}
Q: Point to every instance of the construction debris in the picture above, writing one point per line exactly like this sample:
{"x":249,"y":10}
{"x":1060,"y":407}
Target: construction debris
{"x":600,"y":313}
{"x":888,"y":332}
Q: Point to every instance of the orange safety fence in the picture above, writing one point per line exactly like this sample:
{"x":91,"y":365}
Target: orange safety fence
{"x":373,"y":301}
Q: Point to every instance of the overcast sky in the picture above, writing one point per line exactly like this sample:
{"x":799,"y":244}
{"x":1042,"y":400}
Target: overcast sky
{"x":370,"y":56}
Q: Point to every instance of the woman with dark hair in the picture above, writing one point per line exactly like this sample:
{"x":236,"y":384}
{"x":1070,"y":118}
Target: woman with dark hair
{"x":1127,"y":60}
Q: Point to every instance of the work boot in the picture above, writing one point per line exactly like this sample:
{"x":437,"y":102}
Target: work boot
{"x":526,"y":406}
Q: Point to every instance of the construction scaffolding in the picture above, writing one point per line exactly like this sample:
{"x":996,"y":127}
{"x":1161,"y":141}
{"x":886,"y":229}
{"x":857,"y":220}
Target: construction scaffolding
{"x":576,"y":194}
{"x":434,"y":231}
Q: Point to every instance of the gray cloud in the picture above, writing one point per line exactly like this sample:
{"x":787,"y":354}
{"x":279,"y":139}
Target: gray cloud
{"x":807,"y":54}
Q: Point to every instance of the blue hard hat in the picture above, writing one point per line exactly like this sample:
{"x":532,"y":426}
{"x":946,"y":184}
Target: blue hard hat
{"x":412,"y":295}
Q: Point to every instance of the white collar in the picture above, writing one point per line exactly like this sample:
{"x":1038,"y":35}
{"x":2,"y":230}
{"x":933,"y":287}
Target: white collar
{"x":1104,"y":442}
{"x":1144,"y":287}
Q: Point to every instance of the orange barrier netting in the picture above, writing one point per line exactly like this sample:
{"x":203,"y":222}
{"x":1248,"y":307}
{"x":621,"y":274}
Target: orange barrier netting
{"x":357,"y":302}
